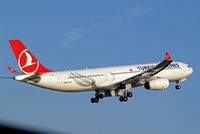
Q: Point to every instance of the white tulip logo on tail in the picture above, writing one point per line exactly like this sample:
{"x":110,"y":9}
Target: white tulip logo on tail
{"x":27,"y":63}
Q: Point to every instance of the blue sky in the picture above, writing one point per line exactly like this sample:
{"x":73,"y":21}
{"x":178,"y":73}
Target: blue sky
{"x":75,"y":34}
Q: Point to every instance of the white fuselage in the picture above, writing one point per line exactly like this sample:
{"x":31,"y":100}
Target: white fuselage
{"x":105,"y":78}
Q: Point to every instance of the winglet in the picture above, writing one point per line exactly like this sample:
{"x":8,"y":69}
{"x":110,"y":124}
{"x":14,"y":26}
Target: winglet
{"x":167,"y":56}
{"x":12,"y":70}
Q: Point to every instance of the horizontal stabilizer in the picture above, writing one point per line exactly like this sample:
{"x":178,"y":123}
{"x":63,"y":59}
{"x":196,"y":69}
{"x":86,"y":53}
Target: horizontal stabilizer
{"x":12,"y":70}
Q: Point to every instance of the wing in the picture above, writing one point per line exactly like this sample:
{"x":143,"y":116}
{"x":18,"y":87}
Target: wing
{"x":141,"y":78}
{"x":149,"y":73}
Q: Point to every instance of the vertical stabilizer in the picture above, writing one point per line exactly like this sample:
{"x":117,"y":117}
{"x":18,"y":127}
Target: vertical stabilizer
{"x":28,"y":64}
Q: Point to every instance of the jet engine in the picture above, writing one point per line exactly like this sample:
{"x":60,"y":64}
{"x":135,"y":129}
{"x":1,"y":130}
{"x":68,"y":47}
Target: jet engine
{"x":157,"y":84}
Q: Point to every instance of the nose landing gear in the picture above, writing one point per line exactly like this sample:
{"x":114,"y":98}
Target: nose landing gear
{"x":178,"y":85}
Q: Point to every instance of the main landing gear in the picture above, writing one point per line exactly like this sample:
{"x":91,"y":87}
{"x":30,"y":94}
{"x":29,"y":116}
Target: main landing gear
{"x":97,"y":97}
{"x":178,"y":85}
{"x":127,"y":94}
{"x":125,"y":97}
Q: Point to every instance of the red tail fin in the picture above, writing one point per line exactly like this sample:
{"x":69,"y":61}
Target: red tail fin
{"x":26,"y":61}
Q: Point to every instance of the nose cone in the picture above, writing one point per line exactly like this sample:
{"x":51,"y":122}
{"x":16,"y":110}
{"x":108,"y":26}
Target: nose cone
{"x":191,"y":71}
{"x":187,"y":70}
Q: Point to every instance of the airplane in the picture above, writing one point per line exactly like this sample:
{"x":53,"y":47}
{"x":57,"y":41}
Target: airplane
{"x":106,"y":82}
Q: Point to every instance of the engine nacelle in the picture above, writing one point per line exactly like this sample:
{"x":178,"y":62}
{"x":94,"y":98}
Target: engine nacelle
{"x":157,"y":84}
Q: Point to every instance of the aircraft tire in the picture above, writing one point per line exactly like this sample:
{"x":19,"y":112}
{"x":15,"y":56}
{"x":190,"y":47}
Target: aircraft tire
{"x":100,"y":96}
{"x":178,"y":87}
{"x":92,"y":100}
{"x":129,"y":94}
{"x":96,"y":100}
{"x":121,"y":98}
{"x":125,"y":98}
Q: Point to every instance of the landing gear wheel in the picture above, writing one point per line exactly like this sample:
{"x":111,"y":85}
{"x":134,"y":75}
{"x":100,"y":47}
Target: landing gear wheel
{"x":96,"y":100}
{"x":100,"y":96}
{"x":93,"y":100}
{"x":125,"y":98}
{"x":97,"y":95}
{"x":121,"y":98}
{"x":129,"y":94}
{"x":178,"y":87}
